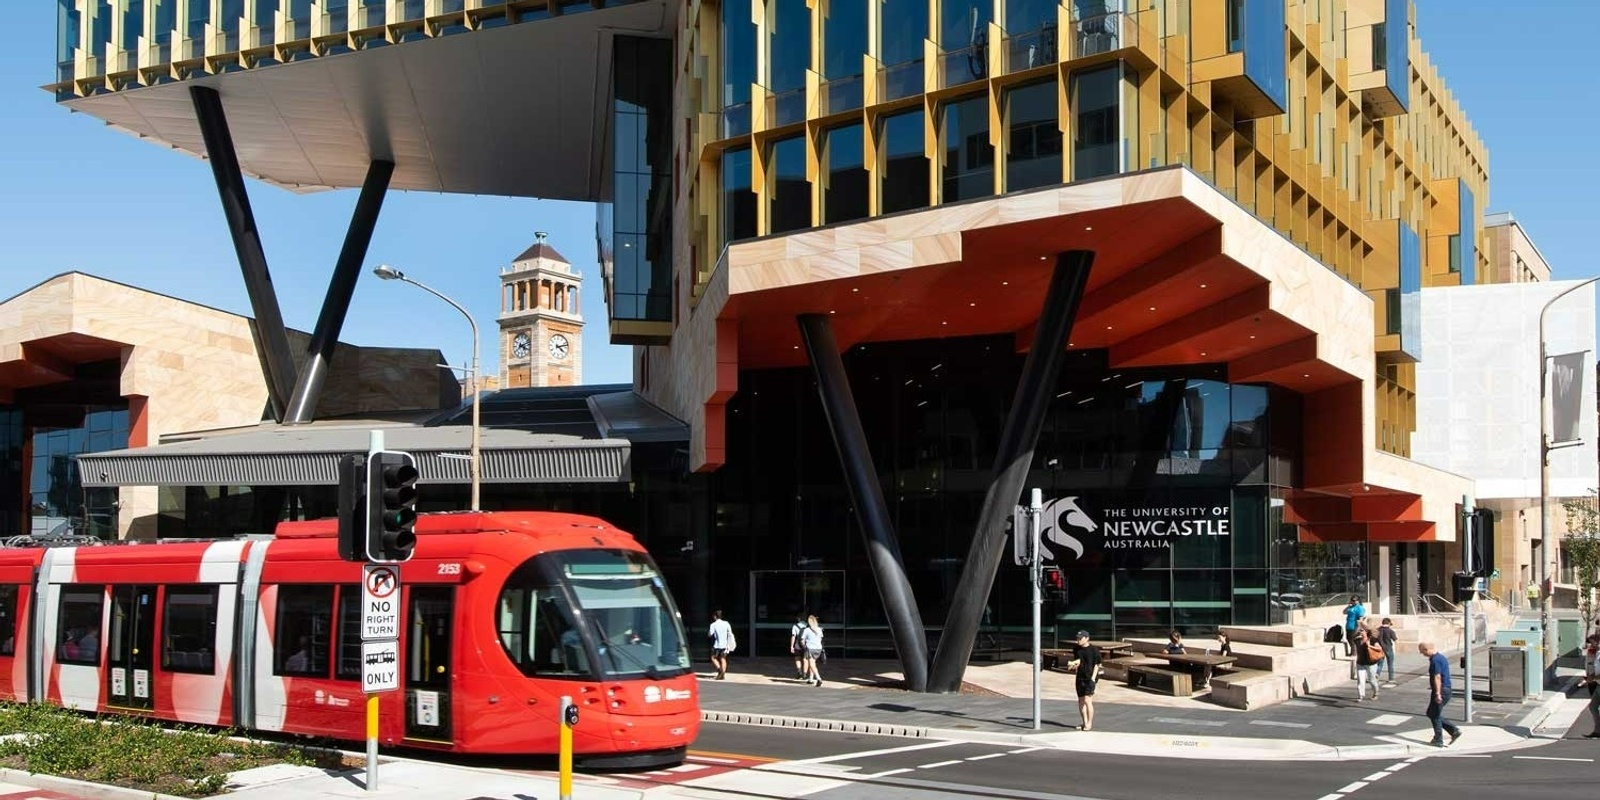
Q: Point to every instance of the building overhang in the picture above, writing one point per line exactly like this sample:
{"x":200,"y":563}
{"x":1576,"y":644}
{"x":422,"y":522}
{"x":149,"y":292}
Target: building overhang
{"x":1183,"y":275}
{"x":520,"y":110}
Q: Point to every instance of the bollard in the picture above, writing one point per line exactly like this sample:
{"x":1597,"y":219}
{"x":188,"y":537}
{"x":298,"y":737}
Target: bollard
{"x":569,"y":718}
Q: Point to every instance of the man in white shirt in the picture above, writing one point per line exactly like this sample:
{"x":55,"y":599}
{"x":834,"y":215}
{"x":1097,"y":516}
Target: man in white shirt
{"x":721,"y":643}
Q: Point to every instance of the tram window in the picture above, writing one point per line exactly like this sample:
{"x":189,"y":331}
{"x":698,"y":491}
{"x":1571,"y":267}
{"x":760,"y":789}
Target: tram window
{"x":349,"y":665}
{"x":189,"y":631}
{"x":304,"y":622}
{"x":8,"y":620}
{"x":536,"y":630}
{"x":78,"y":622}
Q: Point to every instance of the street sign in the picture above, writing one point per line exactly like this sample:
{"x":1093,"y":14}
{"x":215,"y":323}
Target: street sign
{"x":380,"y":666}
{"x":380,"y":603}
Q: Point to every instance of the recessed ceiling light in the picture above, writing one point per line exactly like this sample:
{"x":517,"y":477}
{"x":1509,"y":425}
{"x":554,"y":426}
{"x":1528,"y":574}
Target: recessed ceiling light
{"x":1044,"y":258}
{"x":1088,"y":227}
{"x":1307,"y":375}
{"x":1252,"y":336}
{"x":1202,"y":352}
{"x":1202,"y":286}
{"x":1152,"y":308}
{"x":944,"y":323}
{"x":1005,"y":283}
{"x":1108,"y":327}
{"x":831,"y":311}
{"x":855,"y":289}
{"x":797,"y":347}
{"x":974,"y":305}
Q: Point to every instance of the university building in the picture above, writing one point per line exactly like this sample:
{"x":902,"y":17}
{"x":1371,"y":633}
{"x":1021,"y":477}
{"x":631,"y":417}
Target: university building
{"x":886,"y":264}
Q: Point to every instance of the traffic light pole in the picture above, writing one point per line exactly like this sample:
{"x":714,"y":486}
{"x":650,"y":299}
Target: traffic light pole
{"x":374,"y":445}
{"x":1036,"y":574}
{"x":1468,"y":522}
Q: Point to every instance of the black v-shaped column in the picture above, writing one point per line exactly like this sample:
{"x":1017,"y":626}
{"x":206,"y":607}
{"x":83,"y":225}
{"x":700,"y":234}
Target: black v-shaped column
{"x":861,"y":478}
{"x":293,"y":397}
{"x":1012,"y":459}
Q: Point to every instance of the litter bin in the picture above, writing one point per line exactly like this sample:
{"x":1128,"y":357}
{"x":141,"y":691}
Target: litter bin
{"x":1508,"y":674}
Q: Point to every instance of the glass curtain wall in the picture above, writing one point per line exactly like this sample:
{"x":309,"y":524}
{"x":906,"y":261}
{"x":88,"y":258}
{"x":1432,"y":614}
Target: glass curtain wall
{"x":642,"y":180}
{"x":266,"y":12}
{"x":788,"y":58}
{"x":230,"y":12}
{"x":791,"y":194}
{"x":964,"y":40}
{"x":132,"y":29}
{"x":738,"y":199}
{"x":1033,"y":137}
{"x":902,"y":30}
{"x":59,"y":504}
{"x":68,"y":32}
{"x":844,"y":48}
{"x":1097,"y":129}
{"x":12,"y":497}
{"x":738,"y":67}
{"x":1031,"y":35}
{"x":1182,"y":449}
{"x":968,"y":168}
{"x":844,"y":197}
{"x":100,"y":31}
{"x":905,"y":164}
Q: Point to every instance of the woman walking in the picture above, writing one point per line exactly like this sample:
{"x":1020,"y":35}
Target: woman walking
{"x":1368,"y":655}
{"x":811,"y":640}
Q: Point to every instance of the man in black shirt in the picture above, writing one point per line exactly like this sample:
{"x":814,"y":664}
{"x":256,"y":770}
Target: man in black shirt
{"x":1088,"y":665}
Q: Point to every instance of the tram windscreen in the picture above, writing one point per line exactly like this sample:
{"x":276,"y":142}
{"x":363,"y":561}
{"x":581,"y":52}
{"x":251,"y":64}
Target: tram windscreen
{"x":613,"y":601}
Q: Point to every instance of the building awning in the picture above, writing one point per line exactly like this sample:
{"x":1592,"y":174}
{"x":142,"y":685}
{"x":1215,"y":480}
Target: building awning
{"x":556,"y":439}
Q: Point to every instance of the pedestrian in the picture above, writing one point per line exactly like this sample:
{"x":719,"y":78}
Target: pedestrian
{"x":1352,"y":618}
{"x":1174,"y":643}
{"x":796,"y":647}
{"x":1368,"y":655}
{"x":1088,"y":666}
{"x":1438,"y":694}
{"x":811,"y":639}
{"x":1224,"y":644}
{"x":1591,"y":678}
{"x":1387,"y":639}
{"x":722,"y":643}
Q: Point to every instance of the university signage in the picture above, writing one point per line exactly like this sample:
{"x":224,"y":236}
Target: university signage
{"x":1080,"y":526}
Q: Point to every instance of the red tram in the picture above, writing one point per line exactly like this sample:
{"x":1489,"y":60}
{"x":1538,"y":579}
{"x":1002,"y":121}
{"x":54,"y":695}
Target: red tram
{"x":501,"y":615}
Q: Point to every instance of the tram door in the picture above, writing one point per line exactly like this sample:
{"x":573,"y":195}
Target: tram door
{"x":428,"y":622}
{"x":130,"y":646}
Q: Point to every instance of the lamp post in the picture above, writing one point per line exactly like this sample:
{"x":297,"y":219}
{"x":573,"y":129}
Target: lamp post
{"x":1547,"y":640}
{"x":389,"y":273}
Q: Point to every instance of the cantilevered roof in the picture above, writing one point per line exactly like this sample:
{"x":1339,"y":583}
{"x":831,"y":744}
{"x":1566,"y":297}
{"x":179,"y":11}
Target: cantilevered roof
{"x":520,"y":110}
{"x":546,"y":443}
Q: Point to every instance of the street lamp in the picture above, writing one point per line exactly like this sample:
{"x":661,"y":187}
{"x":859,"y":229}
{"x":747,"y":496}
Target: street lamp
{"x":389,"y":273}
{"x":1544,"y":481}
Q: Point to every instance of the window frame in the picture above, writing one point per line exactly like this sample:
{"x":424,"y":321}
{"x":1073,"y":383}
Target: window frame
{"x":10,"y":601}
{"x":281,"y":651}
{"x":65,"y":596}
{"x":350,"y":595}
{"x":213,"y":593}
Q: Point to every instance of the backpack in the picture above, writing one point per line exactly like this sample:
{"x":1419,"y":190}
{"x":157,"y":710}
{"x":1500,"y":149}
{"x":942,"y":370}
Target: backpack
{"x":1335,"y":634}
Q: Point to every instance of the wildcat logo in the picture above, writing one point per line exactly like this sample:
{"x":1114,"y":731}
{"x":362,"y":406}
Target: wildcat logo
{"x":1061,"y":515}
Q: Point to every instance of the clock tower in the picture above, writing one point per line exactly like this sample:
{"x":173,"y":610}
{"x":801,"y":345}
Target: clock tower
{"x":541,"y":327}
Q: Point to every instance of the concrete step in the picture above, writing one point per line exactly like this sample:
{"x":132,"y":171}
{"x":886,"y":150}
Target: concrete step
{"x":1275,"y":635}
{"x":1250,"y":689}
{"x":1303,"y":683}
{"x":1254,"y":656}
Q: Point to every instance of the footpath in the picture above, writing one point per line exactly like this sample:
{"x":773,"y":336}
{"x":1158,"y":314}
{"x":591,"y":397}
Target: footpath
{"x":995,"y":708}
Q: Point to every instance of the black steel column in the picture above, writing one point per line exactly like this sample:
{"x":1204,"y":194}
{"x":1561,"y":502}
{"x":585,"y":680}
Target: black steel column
{"x":1012,"y":459}
{"x":277,"y":361}
{"x":346,"y":271}
{"x":861,"y":478}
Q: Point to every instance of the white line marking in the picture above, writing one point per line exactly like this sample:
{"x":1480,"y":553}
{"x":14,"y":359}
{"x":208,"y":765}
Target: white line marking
{"x":886,"y":773}
{"x":714,"y":760}
{"x":1023,"y":750}
{"x":1390,"y":720}
{"x":1376,"y":776}
{"x":1181,"y":721}
{"x":1354,"y":787}
{"x":885,"y":752}
{"x":939,"y":764}
{"x":1554,"y":758}
{"x":1465,"y":755}
{"x":1280,"y":724}
{"x":1334,"y":796}
{"x":1413,"y":759}
{"x":991,"y":755}
{"x":688,"y":768}
{"x":1400,"y":766}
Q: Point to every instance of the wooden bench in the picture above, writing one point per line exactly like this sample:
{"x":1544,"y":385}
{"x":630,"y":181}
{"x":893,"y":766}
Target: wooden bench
{"x":1180,"y":684}
{"x":1056,"y":659}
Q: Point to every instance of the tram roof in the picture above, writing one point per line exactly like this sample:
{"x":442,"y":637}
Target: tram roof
{"x":580,"y":434}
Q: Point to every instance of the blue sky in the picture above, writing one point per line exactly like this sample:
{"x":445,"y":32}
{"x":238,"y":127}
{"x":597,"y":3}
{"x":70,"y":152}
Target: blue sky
{"x":74,"y":195}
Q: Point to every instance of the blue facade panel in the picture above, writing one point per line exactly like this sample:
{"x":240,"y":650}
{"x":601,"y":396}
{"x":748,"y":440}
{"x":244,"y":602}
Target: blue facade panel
{"x":1397,"y":62}
{"x":1466,"y":241}
{"x":1266,"y":55}
{"x":1410,"y":292}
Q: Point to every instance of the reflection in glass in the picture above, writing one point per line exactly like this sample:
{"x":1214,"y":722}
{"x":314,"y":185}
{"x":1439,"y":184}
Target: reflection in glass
{"x":738,"y":63}
{"x":132,"y":29}
{"x":1097,"y":132}
{"x":845,"y":194}
{"x":738,"y":201}
{"x":968,"y":168}
{"x":844,"y":45}
{"x":641,"y":180}
{"x":905,"y":168}
{"x":789,"y":40}
{"x":791,"y":194}
{"x":1033,"y":152}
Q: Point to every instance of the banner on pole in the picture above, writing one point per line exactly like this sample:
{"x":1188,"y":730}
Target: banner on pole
{"x":1566,"y":390}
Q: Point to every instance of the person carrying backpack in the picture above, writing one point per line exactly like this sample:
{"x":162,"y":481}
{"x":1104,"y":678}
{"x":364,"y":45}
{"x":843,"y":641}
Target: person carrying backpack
{"x":797,"y":647}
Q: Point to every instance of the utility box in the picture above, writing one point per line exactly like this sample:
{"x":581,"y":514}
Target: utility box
{"x":1527,"y":638}
{"x":1508,"y":678}
{"x":1569,"y":637}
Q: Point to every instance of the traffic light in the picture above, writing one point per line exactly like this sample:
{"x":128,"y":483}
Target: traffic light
{"x":353,"y":507}
{"x":391,"y":502}
{"x":1463,"y":583}
{"x":1483,"y":542}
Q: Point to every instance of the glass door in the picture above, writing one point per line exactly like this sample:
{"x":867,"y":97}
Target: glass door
{"x":778,"y":597}
{"x":427,"y":662}
{"x":130,"y":647}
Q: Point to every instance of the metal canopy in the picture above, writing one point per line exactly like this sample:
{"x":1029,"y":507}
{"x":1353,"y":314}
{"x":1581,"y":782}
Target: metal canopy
{"x":519,"y":111}
{"x":308,"y":455}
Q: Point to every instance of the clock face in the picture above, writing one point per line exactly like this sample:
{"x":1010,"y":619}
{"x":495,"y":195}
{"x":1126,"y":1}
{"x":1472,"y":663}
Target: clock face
{"x":558,"y":347}
{"x":521,"y":345}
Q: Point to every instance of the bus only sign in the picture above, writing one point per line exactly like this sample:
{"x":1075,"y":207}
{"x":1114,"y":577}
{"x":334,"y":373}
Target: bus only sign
{"x":380,"y":603}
